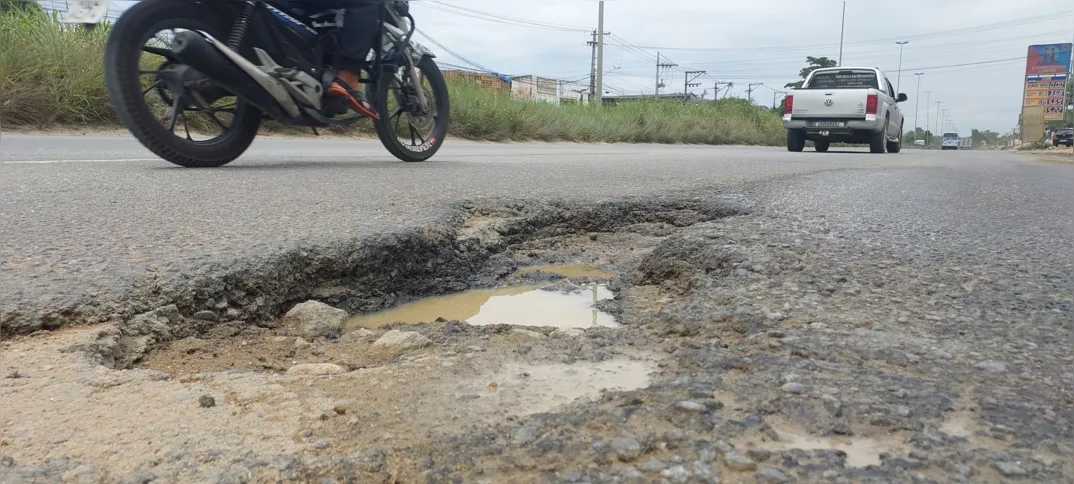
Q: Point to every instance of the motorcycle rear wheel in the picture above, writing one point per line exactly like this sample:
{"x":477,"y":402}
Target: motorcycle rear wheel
{"x":123,"y":69}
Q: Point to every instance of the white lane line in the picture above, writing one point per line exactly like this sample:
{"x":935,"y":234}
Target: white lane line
{"x":35,"y":162}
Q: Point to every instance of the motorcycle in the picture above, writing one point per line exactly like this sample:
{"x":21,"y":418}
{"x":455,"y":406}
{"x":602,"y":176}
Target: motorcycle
{"x":176,"y":70}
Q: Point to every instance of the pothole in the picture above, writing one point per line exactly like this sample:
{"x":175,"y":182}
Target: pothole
{"x":521,"y":389}
{"x":558,"y":305}
{"x":860,"y":451}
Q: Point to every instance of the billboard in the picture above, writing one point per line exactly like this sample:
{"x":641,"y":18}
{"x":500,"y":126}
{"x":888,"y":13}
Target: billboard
{"x":1047,"y":77}
{"x":1048,"y":59}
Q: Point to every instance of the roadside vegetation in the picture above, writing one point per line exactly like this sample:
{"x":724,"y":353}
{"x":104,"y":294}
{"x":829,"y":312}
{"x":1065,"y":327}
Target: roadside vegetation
{"x":51,"y":76}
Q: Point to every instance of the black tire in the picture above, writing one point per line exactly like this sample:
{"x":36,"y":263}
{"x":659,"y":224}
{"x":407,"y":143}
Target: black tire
{"x":896,"y":146}
{"x":822,"y":146}
{"x":385,"y":130}
{"x":121,"y":58}
{"x":795,"y":140}
{"x":879,"y":140}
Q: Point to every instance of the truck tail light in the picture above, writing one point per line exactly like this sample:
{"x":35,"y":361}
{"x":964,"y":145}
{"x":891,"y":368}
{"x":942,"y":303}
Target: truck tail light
{"x":788,"y":105}
{"x":871,"y":104}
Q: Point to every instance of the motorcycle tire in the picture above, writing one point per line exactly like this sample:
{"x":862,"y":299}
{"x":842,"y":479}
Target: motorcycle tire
{"x":386,"y":132}
{"x":121,"y":68}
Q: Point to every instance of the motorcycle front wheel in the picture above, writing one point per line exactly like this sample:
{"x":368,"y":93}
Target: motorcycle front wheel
{"x":409,"y":132}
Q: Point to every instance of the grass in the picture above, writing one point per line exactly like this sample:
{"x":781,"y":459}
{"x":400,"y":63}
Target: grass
{"x":51,"y":75}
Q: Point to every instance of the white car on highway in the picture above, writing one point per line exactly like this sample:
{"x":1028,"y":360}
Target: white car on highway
{"x":844,"y":104}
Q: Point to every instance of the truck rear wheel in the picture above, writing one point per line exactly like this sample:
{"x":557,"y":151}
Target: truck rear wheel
{"x":795,"y":140}
{"x":878,"y":141}
{"x":822,"y":145}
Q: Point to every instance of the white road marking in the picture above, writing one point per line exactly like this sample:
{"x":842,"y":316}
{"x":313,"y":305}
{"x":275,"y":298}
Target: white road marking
{"x":35,"y":162}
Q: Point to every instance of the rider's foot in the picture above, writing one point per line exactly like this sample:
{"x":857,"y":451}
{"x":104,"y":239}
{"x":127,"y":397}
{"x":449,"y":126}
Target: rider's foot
{"x":345,"y":86}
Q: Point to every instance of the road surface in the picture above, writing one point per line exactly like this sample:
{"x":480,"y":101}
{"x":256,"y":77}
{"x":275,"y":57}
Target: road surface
{"x":914,"y":310}
{"x":90,"y":218}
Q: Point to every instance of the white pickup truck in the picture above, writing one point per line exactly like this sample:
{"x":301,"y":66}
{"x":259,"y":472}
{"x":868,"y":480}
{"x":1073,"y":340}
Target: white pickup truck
{"x":844,"y":104}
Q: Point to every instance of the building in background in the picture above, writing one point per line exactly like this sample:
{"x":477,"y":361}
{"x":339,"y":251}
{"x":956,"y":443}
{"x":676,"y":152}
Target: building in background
{"x":549,"y":90}
{"x":492,"y":82}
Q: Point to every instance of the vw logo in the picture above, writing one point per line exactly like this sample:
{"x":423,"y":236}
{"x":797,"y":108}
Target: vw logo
{"x":828,"y":102}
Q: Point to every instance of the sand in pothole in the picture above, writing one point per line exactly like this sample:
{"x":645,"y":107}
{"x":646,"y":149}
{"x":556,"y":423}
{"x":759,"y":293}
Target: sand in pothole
{"x":520,"y":389}
{"x":517,"y":305}
{"x":861,"y":451}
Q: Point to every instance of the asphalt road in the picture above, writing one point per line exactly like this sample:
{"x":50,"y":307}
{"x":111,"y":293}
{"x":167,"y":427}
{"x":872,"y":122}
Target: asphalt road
{"x":91,"y":217}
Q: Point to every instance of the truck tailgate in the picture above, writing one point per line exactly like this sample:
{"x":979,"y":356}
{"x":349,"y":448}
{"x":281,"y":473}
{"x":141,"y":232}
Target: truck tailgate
{"x":829,"y":103}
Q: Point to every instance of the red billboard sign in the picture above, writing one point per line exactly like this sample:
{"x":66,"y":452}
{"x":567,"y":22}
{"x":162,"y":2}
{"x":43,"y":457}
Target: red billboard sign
{"x":1048,"y":60}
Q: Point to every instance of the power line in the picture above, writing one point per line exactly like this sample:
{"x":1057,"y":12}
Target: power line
{"x":872,"y":53}
{"x":493,"y":17}
{"x":932,"y":35}
{"x":453,"y":53}
{"x":773,"y":75}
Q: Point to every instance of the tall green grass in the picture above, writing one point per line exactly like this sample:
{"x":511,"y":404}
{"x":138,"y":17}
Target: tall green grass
{"x":51,"y":75}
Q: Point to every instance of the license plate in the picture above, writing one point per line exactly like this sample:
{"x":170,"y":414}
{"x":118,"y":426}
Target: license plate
{"x":86,"y":11}
{"x":828,"y":124}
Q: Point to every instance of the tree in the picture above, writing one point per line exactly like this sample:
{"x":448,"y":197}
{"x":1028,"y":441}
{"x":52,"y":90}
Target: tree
{"x":814,"y":64}
{"x":917,"y":134}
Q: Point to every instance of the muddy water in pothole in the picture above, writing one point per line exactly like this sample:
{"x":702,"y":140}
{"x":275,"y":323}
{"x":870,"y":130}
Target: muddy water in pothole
{"x":529,"y":305}
{"x":860,"y":451}
{"x":523,"y":389}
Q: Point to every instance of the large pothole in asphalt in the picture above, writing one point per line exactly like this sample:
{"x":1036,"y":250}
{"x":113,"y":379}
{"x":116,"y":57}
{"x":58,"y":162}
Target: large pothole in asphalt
{"x":549,"y":243}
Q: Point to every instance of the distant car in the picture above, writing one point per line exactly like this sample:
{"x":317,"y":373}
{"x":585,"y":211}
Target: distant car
{"x":844,"y":104}
{"x":1063,"y":137}
{"x":950,"y":141}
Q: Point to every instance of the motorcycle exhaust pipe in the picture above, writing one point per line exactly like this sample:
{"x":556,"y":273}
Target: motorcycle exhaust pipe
{"x":225,"y":67}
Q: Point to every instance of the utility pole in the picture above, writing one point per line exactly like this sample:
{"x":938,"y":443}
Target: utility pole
{"x":775,"y":95}
{"x":666,"y":65}
{"x":690,"y":83}
{"x":842,"y":29}
{"x":718,"y":88}
{"x":600,"y":57}
{"x":593,"y":68}
{"x":917,"y":101}
{"x":749,"y":90}
{"x":898,"y":81}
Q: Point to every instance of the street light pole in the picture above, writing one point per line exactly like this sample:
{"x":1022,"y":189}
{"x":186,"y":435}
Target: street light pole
{"x":938,"y":120}
{"x":842,"y":29}
{"x":928,"y":104}
{"x":917,"y":101}
{"x":898,"y":82}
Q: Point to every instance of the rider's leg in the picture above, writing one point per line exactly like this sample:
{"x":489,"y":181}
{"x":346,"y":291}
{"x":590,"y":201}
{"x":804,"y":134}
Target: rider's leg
{"x":355,"y":41}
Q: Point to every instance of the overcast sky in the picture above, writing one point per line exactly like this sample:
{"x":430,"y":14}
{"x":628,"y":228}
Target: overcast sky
{"x":766,"y":41}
